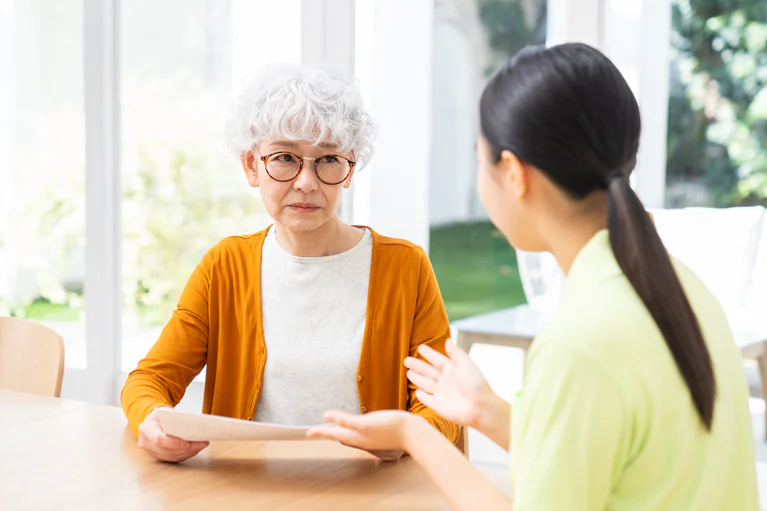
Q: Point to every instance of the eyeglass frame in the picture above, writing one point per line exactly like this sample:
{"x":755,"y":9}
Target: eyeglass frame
{"x":301,"y":159}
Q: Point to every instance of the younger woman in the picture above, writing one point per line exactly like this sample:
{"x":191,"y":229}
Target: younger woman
{"x":635,"y":397}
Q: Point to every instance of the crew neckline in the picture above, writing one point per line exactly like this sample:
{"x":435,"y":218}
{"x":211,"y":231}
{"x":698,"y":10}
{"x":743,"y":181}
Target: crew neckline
{"x":271,"y":237}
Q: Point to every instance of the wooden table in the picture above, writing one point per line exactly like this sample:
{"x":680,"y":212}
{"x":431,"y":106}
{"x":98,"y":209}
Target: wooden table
{"x":60,"y":455}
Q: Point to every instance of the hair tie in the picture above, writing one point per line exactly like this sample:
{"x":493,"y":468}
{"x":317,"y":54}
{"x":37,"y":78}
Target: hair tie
{"x":615,"y":176}
{"x":621,"y":173}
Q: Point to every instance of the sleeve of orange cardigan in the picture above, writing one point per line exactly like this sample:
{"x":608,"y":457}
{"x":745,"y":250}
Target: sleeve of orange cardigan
{"x":179,"y":355}
{"x":430,"y":327}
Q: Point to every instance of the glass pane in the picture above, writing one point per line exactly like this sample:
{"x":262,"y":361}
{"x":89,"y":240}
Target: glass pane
{"x":717,"y":127}
{"x":42,"y":167}
{"x":476,"y":268}
{"x":182,"y":192}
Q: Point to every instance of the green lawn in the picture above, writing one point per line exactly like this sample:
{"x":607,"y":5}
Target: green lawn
{"x":476,"y":269}
{"x":43,"y":310}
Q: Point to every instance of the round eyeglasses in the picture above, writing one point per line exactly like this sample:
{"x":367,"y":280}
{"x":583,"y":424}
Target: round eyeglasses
{"x":331,"y":169}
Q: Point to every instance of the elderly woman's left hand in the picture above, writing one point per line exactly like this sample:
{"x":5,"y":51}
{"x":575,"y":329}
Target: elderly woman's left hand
{"x":383,"y":434}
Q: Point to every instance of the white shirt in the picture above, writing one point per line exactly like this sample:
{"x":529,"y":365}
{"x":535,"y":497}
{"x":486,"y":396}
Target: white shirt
{"x":313,"y":311}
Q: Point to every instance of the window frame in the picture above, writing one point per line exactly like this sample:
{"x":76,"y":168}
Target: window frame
{"x":370,"y":201}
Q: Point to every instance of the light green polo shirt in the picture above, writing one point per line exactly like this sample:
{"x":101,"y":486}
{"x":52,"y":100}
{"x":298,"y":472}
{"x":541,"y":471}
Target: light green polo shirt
{"x":605,"y":420}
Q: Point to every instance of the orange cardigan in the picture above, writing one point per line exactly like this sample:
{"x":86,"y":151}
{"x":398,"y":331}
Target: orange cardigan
{"x":218,"y":323}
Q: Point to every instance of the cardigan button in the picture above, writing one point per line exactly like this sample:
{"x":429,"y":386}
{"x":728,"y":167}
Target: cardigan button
{"x":359,"y":377}
{"x":363,"y":409}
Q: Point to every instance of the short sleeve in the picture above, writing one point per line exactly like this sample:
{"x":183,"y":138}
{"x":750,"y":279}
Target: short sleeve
{"x":568,"y":433}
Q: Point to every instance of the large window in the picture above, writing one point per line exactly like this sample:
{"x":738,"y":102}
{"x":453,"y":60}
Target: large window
{"x":717,"y":128}
{"x":181,"y":190}
{"x":42,"y":167}
{"x":475,"y":266}
{"x":118,"y":107}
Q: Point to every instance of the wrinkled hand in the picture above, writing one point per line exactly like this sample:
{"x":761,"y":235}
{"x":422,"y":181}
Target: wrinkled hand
{"x":382,"y":434}
{"x":452,"y":385}
{"x":164,"y":447}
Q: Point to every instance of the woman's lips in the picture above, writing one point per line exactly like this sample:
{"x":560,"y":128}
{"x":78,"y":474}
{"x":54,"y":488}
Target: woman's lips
{"x":303,"y":207}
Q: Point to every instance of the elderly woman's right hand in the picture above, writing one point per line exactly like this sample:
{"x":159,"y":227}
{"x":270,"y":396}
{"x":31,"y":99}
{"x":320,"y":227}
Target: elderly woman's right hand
{"x":164,"y":447}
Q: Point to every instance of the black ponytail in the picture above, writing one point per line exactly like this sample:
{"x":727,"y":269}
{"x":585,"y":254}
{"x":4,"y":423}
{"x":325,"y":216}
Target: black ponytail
{"x":645,"y":262}
{"x":568,"y":111}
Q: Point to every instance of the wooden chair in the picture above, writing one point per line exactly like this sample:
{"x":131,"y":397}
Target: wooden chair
{"x":31,"y":358}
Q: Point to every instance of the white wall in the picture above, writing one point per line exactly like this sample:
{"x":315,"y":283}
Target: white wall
{"x":575,"y":21}
{"x":393,"y":63}
{"x":6,"y":134}
{"x":461,"y":55}
{"x":637,"y":37}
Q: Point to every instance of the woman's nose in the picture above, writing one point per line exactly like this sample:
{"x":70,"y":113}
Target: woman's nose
{"x":307,"y":181}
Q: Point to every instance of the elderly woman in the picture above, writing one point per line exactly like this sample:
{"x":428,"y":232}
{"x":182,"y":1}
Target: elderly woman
{"x":310,"y":314}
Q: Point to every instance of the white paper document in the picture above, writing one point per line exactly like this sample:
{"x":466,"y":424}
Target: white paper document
{"x":196,"y":427}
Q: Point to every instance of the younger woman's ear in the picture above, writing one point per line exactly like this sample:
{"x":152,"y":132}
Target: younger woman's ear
{"x":249,"y":162}
{"x":515,"y":173}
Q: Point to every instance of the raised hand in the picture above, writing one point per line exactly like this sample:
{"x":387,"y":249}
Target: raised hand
{"x":452,"y":385}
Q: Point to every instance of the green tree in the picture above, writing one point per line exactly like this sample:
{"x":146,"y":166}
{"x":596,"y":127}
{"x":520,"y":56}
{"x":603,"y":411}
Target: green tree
{"x":511,"y":25}
{"x":717,"y":127}
{"x":181,"y":193}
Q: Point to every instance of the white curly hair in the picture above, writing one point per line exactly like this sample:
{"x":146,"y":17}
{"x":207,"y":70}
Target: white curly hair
{"x":301,"y":103}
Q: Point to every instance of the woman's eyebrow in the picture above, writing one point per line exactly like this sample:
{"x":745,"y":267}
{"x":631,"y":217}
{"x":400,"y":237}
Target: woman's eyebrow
{"x":288,"y":143}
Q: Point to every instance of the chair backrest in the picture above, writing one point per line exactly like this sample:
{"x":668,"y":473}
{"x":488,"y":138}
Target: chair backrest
{"x":726,"y":248}
{"x":541,"y":279}
{"x":719,"y":245}
{"x":31,"y":357}
{"x":756,"y":295}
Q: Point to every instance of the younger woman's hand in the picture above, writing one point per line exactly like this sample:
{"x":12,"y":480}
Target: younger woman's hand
{"x":452,"y":385}
{"x":383,"y":432}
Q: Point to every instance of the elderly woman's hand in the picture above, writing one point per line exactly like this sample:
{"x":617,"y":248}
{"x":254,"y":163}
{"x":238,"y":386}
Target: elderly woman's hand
{"x":164,"y":447}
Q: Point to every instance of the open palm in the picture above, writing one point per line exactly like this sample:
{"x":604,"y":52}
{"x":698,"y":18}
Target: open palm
{"x":376,"y":432}
{"x":452,"y":385}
